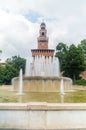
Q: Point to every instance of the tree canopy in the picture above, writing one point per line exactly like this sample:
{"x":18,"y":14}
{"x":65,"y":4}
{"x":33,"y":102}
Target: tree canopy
{"x":71,"y":60}
{"x":11,"y":69}
{"x":61,"y":50}
{"x":83,"y":46}
{"x":17,"y":62}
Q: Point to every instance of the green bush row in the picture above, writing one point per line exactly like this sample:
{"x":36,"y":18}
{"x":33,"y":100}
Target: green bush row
{"x":80,"y":82}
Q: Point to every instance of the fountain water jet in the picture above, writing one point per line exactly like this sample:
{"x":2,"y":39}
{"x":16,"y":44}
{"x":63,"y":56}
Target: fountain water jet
{"x":20,"y":89}
{"x":62,"y":87}
{"x":41,"y":66}
{"x":27,"y":69}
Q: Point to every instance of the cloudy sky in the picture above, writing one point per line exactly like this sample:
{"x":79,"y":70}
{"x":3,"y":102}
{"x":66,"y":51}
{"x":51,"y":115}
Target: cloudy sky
{"x":20,"y":21}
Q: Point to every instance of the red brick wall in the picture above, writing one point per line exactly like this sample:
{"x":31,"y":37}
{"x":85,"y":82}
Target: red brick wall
{"x":47,"y":53}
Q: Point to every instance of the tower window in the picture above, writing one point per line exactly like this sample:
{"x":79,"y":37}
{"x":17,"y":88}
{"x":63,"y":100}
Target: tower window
{"x":42,"y":33}
{"x":42,"y":41}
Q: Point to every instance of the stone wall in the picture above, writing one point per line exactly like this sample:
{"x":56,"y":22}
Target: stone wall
{"x":41,"y":116}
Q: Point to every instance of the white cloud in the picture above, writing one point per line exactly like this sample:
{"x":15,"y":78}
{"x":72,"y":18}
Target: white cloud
{"x":65,"y":19}
{"x":17,"y":34}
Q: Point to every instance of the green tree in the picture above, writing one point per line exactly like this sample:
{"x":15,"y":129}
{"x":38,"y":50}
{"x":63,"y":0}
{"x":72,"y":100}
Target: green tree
{"x":74,"y":62}
{"x":2,"y":74}
{"x":9,"y":73}
{"x":83,"y":45}
{"x":61,"y":50}
{"x":0,"y":51}
{"x":17,"y":62}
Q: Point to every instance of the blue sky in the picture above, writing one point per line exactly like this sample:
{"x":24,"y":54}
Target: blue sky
{"x":32,"y":16}
{"x":20,"y":23}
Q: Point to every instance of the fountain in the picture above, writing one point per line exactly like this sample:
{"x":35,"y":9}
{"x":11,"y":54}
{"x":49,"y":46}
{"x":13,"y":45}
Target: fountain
{"x":42,"y":70}
{"x":42,"y":75}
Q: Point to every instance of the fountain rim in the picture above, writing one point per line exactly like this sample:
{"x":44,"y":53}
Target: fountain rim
{"x":42,"y":106}
{"x":44,"y":78}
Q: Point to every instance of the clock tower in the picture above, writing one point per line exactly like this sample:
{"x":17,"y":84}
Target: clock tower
{"x":42,"y":40}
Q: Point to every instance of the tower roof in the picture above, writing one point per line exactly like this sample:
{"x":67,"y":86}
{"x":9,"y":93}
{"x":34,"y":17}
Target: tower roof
{"x":43,"y":24}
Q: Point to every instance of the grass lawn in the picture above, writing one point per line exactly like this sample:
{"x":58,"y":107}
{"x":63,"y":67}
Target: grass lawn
{"x":52,"y":97}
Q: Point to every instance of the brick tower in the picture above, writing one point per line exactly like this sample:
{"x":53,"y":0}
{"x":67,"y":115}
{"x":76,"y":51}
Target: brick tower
{"x":42,"y":49}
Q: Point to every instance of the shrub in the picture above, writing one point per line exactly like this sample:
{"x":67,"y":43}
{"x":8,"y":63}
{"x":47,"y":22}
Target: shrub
{"x":80,"y":82}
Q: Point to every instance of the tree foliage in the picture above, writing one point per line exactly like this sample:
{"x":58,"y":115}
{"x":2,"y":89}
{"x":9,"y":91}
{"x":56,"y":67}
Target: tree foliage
{"x":61,"y":50}
{"x":72,"y":60}
{"x":10,"y":72}
{"x":0,"y":51}
{"x":11,"y":69}
{"x":83,"y":46}
{"x":7,"y":72}
{"x":2,"y":74}
{"x":17,"y":62}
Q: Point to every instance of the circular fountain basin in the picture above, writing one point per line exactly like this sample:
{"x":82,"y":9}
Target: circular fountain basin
{"x":42,"y":84}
